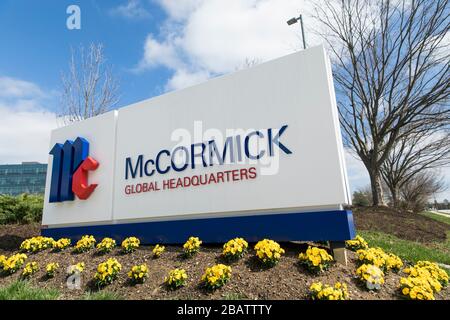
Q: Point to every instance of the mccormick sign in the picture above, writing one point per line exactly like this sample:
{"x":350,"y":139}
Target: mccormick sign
{"x":255,"y":154}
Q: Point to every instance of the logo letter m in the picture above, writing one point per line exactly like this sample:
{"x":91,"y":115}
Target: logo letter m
{"x":68,"y":159}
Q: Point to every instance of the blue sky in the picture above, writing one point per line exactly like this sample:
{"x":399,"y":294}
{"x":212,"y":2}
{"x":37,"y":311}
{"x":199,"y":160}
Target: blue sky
{"x":36,"y":42}
{"x":154,"y":46}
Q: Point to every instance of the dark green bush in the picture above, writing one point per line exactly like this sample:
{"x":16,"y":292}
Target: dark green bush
{"x":23,"y":209}
{"x":362,"y":198}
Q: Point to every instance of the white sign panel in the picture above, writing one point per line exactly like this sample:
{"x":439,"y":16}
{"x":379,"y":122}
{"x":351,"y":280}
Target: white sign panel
{"x":258,"y":141}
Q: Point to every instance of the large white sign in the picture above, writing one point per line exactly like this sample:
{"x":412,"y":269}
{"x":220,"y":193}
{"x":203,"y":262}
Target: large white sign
{"x":258,"y":141}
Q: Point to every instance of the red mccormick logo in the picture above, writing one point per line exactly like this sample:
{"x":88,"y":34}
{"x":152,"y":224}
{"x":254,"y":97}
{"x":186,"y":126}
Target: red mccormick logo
{"x":71,"y":163}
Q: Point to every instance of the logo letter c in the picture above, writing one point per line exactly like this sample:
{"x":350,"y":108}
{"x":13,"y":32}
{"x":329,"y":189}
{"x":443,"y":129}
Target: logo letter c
{"x":80,"y":184}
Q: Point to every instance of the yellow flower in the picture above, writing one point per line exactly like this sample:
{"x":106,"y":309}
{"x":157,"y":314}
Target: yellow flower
{"x":3,"y":259}
{"x":393,"y":262}
{"x":86,"y":243}
{"x":377,"y":257}
{"x":268,"y":252}
{"x":424,"y":278}
{"x":61,"y":244}
{"x":138,"y":273}
{"x":107,"y":272}
{"x":79,"y":267}
{"x":318,"y":291}
{"x":436,"y":272}
{"x":51,"y":269}
{"x":30,"y":269}
{"x":315,"y":259}
{"x":371,"y":275}
{"x":130,"y":244}
{"x":192,"y":246}
{"x":36,"y":244}
{"x":234,"y":249}
{"x":106,"y":245}
{"x":216,"y":276}
{"x":176,"y":278}
{"x":14,"y":262}
{"x":356,"y":244}
{"x":158,"y":250}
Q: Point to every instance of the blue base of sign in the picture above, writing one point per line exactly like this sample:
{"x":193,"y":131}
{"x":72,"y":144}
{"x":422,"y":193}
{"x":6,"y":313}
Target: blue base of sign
{"x":306,"y":226}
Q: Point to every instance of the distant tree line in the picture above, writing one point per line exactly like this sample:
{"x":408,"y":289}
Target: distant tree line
{"x":444,"y":205}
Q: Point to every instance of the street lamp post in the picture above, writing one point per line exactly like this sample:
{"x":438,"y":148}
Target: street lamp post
{"x":295,"y":20}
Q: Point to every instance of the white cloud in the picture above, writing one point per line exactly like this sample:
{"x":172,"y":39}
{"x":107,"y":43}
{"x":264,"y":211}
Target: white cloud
{"x":183,"y":78}
{"x":213,"y":37}
{"x":25,"y":135}
{"x":160,"y":53}
{"x":24,"y":124}
{"x":133,"y":9}
{"x":220,"y":34}
{"x":179,"y":10}
{"x":15,"y":88}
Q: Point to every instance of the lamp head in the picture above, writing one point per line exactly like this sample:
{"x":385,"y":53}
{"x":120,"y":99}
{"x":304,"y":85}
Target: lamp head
{"x":292,"y":21}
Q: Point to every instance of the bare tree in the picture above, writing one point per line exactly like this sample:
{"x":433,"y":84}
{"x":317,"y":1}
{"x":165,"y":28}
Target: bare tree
{"x":411,"y":155}
{"x":89,"y":88}
{"x":420,"y":189}
{"x":391,"y":70}
{"x":248,"y":63}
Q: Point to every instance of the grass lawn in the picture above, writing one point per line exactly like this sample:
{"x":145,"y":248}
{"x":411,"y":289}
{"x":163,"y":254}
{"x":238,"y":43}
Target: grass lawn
{"x":21,"y":290}
{"x":101,"y":295}
{"x":436,"y":217}
{"x":409,"y":250}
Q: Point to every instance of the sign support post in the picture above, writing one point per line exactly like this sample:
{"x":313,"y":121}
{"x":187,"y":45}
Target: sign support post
{"x":339,"y":251}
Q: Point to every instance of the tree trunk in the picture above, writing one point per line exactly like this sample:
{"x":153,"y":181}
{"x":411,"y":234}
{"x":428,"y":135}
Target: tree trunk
{"x":377,"y":190}
{"x":394,"y":194}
